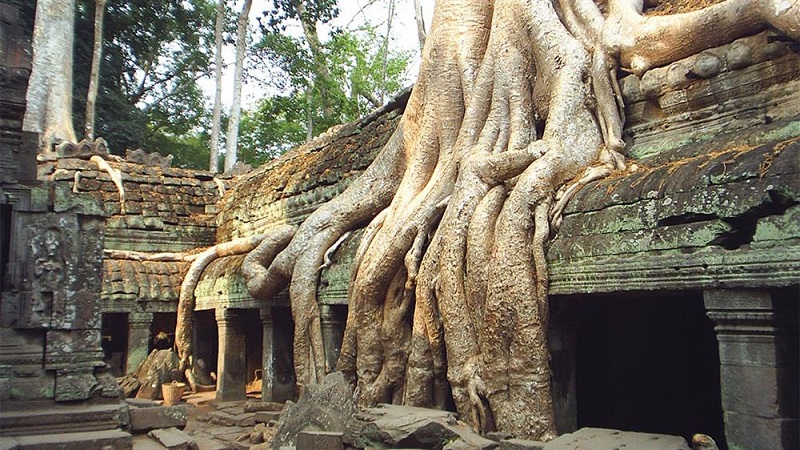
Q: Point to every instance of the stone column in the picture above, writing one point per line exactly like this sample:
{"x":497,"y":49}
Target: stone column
{"x":267,"y":358}
{"x":757,"y":336}
{"x":332,"y":334}
{"x":231,"y":362}
{"x":138,"y":339}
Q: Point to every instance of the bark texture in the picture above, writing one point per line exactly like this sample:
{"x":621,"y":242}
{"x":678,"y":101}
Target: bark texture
{"x":232,"y":140}
{"x":49,"y":96}
{"x":216,"y":117}
{"x":516,"y":106}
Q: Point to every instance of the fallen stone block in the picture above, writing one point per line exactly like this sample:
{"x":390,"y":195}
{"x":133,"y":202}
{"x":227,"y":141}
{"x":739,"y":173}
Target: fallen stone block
{"x":7,"y":443}
{"x":76,"y":441}
{"x":142,"y":402}
{"x":267,"y":416}
{"x":396,"y":426}
{"x":221,"y":418}
{"x":172,"y":438}
{"x":315,"y":440}
{"x":605,"y":439}
{"x":259,"y":405}
{"x":521,"y":444}
{"x":146,"y":419}
{"x":244,"y":420}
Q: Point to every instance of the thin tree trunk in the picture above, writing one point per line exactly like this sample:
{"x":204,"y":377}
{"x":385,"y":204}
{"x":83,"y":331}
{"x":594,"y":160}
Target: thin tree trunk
{"x":321,"y":73}
{"x":97,"y":56}
{"x":238,"y":75}
{"x":386,"y":49}
{"x":421,"y":33}
{"x":216,"y":118}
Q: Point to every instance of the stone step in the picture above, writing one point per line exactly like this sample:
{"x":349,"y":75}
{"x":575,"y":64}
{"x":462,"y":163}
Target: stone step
{"x":113,"y":439}
{"x":49,"y":418}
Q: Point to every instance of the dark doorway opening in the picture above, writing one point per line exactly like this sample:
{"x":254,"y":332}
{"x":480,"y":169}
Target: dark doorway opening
{"x":206,"y":341}
{"x":648,"y":363}
{"x":162,"y":330}
{"x":5,"y":243}
{"x":283,"y":359}
{"x":114,"y":341}
{"x":254,"y":355}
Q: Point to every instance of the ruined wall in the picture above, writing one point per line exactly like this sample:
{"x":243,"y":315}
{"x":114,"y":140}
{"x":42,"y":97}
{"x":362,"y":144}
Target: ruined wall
{"x":287,"y":190}
{"x":165,"y":210}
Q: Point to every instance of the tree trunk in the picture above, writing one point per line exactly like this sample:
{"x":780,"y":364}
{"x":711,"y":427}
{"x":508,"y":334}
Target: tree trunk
{"x":216,"y":117}
{"x":49,"y":96}
{"x":515,"y":102}
{"x":321,"y":73}
{"x":94,"y":76}
{"x":421,"y":32}
{"x":238,"y":78}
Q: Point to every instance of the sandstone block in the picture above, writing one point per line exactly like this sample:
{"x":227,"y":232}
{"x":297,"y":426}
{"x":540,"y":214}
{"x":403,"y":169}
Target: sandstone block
{"x":521,"y":444}
{"x":145,"y":419}
{"x":605,"y":439}
{"x":172,"y":438}
{"x":315,"y":440}
{"x":267,"y":416}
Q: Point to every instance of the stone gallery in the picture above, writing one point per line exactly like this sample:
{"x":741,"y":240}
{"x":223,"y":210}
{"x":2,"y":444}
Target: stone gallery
{"x":672,"y":296}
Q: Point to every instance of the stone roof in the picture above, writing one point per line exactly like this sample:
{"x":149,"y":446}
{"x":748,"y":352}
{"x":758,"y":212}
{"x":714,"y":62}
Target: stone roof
{"x":152,"y":281}
{"x":289,"y":188}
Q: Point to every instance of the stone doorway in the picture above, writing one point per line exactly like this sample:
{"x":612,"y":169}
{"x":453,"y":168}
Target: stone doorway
{"x":649,"y":363}
{"x":114,"y":342}
{"x":283,"y":358}
{"x":206,"y":340}
{"x":162,"y":330}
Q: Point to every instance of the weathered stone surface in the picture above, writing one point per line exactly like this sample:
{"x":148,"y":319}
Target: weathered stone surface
{"x":328,"y":406}
{"x":76,"y":441}
{"x":315,"y":440}
{"x":173,"y":438}
{"x":258,"y":405}
{"x":267,"y":416}
{"x":145,"y":419}
{"x":156,"y":370}
{"x":521,"y":444}
{"x":405,"y":426}
{"x":605,"y":439}
{"x":41,"y":418}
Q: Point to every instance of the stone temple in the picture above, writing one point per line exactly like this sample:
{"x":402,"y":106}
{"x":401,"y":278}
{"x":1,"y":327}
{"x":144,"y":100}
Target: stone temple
{"x":674,"y":289}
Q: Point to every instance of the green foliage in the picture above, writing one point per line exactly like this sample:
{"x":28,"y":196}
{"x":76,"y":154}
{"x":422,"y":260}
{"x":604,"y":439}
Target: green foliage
{"x":312,"y":12}
{"x":153,"y":55}
{"x":355,"y":83}
{"x":273,"y":127}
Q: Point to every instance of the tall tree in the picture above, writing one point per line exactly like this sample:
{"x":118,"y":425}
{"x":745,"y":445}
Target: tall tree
{"x":94,"y":75}
{"x":238,"y":78}
{"x":362,"y":70}
{"x":49,"y":96}
{"x":420,"y":19}
{"x":154,"y":53}
{"x":515,"y":98}
{"x":216,"y":117}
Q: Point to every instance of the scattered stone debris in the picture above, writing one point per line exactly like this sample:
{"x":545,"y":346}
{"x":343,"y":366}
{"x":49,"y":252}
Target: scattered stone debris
{"x":145,"y":419}
{"x":173,"y":439}
{"x":605,"y":439}
{"x":328,"y":406}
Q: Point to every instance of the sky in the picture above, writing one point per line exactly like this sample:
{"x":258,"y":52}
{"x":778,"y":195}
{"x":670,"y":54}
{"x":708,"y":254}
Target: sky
{"x":353,"y":13}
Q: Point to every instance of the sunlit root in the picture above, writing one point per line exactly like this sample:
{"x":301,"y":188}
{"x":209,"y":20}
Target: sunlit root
{"x":144,"y":256}
{"x":116,"y":177}
{"x":183,"y":328}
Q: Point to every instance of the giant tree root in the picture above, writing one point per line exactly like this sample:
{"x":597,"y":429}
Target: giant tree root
{"x":516,"y":108}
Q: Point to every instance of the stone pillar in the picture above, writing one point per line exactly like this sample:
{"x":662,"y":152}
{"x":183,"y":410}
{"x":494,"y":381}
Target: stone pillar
{"x":231,"y":362}
{"x":758,"y":351}
{"x":267,"y":358}
{"x":138,"y":339}
{"x":332,"y":334}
